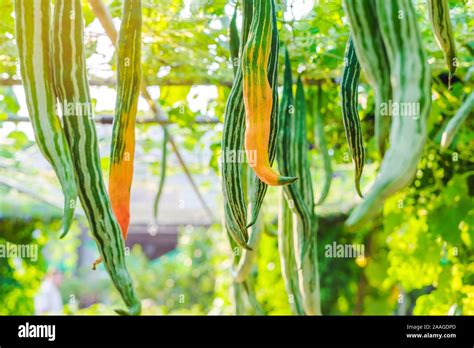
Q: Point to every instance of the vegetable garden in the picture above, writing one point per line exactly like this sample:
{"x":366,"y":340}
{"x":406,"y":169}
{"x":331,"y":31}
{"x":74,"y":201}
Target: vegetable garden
{"x":315,"y":156}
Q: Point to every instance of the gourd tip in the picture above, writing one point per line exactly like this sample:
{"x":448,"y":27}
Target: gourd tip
{"x":63,"y":233}
{"x":286,"y":180}
{"x":134,"y":309}
{"x":359,"y":192}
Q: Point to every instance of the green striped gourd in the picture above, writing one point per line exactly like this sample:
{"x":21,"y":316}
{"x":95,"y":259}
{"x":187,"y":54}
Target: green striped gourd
{"x":373,"y":59}
{"x":350,"y":115}
{"x":247,"y":257}
{"x":72,"y":88}
{"x":397,"y":22}
{"x":241,"y":269}
{"x":287,"y":255}
{"x":259,"y":94}
{"x":308,"y":269}
{"x":455,"y":123}
{"x":235,"y":208}
{"x":245,"y":270}
{"x":258,"y":194}
{"x":307,"y":265}
{"x":244,"y":261}
{"x":161,"y":183}
{"x":300,"y":147}
{"x":292,"y":153}
{"x":234,"y":41}
{"x":441,"y":24}
{"x":316,"y":104}
{"x":128,"y":90}
{"x":293,"y":157}
{"x":33,"y":29}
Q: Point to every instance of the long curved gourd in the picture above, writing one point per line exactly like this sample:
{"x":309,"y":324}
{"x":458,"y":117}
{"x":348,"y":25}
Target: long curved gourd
{"x":161,"y":183}
{"x":287,"y":255}
{"x":372,"y":56}
{"x":33,"y":29}
{"x":247,"y":258}
{"x":241,"y":269}
{"x":72,"y":88}
{"x":292,"y":147}
{"x":234,"y":41}
{"x":299,"y":147}
{"x":321,"y":141}
{"x":455,"y":123}
{"x":305,"y":243}
{"x":286,"y":243}
{"x":308,"y":269}
{"x":260,"y":188}
{"x":258,"y":94}
{"x":128,"y":91}
{"x":235,"y":208}
{"x":350,"y":115}
{"x":411,"y":83}
{"x":293,"y":157}
{"x":441,"y":24}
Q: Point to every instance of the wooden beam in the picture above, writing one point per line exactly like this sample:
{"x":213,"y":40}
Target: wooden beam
{"x":109,"y":119}
{"x":111,"y":82}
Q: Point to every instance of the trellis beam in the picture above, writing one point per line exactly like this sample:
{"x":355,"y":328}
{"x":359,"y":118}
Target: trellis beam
{"x":108,"y":119}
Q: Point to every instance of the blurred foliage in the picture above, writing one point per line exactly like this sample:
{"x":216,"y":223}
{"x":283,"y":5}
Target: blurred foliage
{"x":419,"y":253}
{"x":23,"y":223}
{"x":186,"y":280}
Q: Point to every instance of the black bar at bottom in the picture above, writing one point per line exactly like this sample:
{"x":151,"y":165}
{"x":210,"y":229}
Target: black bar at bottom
{"x":222,"y":330}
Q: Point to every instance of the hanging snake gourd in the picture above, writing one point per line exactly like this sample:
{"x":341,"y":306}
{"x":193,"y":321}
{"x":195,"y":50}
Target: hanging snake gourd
{"x":286,"y":247}
{"x":305,"y":242}
{"x":293,"y":157}
{"x":299,"y":148}
{"x":307,"y":267}
{"x":350,"y":115}
{"x":247,"y":258}
{"x":286,"y":253}
{"x":72,"y":87}
{"x":260,"y":188}
{"x":290,"y":154}
{"x":411,"y":84}
{"x":234,"y":41}
{"x":245,"y":263}
{"x":33,"y":30}
{"x":235,"y":208}
{"x":316,"y":103}
{"x":161,"y":183}
{"x":128,"y":91}
{"x":455,"y":123}
{"x":438,"y":11}
{"x":372,"y":56}
{"x":258,"y":94}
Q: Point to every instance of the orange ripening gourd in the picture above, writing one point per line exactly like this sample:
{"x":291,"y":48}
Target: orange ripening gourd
{"x":258,"y":97}
{"x":128,"y":91}
{"x":121,"y":175}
